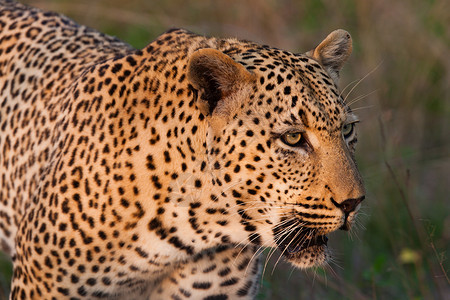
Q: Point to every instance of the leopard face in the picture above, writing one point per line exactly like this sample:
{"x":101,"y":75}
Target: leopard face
{"x":281,"y":145}
{"x":162,"y":172}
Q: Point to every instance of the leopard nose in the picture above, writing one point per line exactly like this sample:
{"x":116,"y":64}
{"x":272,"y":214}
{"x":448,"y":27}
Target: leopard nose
{"x":350,"y":205}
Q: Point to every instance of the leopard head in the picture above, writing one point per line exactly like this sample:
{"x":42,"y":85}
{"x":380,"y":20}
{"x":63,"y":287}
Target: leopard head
{"x":281,"y":142}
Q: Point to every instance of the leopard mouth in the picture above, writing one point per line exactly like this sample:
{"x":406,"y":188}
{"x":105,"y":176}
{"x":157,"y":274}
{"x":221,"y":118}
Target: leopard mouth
{"x":296,"y":241}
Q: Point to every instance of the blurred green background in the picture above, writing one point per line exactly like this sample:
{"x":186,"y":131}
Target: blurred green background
{"x":402,"y":54}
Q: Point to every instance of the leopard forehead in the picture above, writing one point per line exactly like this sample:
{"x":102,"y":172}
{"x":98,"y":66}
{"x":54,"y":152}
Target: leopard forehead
{"x":297,"y":89}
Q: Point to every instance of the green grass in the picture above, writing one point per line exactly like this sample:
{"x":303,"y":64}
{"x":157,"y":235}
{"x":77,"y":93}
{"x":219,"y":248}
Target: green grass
{"x":401,"y":248}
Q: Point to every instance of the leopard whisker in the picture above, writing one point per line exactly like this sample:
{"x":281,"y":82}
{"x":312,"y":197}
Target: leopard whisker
{"x":287,"y":246}
{"x":276,"y":238}
{"x":359,"y":81}
{"x":362,"y":107}
{"x":359,"y":98}
{"x":345,"y":88}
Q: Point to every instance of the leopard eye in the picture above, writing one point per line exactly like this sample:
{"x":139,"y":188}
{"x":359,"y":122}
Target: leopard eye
{"x":347,"y":130}
{"x":293,"y":139}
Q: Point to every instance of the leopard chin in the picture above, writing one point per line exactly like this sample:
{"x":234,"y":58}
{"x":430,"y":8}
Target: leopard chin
{"x":311,"y":256}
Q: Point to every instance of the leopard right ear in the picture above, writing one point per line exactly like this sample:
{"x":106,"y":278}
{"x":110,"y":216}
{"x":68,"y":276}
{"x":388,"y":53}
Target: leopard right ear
{"x":216,"y":76}
{"x":333,"y":52}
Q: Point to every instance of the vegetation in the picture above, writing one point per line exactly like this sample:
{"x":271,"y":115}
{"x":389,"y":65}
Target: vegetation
{"x":401,"y":93}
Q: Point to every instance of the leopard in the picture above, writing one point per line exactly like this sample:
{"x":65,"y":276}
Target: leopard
{"x":164,"y":172}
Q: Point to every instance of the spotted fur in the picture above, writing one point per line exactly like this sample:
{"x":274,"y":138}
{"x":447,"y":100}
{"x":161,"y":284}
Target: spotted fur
{"x":160,"y":173}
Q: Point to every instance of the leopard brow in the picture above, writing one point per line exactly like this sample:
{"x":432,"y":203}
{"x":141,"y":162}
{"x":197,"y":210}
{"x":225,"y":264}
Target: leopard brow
{"x":300,"y":123}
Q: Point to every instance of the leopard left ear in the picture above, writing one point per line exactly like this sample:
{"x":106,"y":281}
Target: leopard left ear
{"x":333,"y":52}
{"x":217,"y":77}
